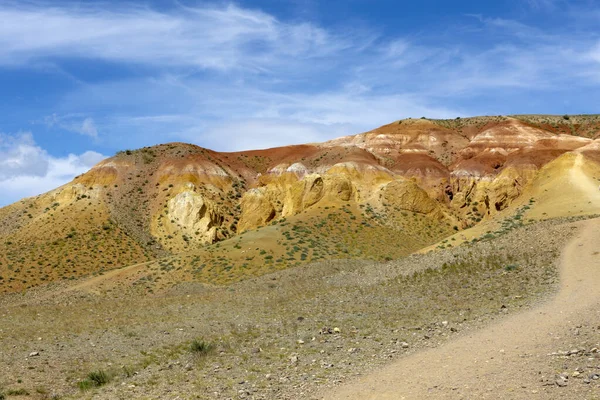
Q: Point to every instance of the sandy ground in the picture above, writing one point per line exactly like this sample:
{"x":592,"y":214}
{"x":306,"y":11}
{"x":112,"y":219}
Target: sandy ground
{"x":583,"y":181}
{"x":511,"y":359}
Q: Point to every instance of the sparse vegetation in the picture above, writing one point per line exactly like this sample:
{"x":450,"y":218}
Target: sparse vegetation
{"x":17,"y":392}
{"x":398,"y":298}
{"x":201,"y":348}
{"x":115,"y":279}
{"x":95,"y":379}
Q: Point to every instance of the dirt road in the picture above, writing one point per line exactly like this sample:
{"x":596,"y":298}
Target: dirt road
{"x":510,"y":359}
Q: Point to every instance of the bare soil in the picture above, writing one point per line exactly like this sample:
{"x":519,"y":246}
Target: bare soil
{"x":521,"y":357}
{"x":274,"y":336}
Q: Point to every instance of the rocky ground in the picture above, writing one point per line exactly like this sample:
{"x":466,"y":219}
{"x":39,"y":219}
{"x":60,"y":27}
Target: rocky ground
{"x":286,"y":335}
{"x":549,"y":351}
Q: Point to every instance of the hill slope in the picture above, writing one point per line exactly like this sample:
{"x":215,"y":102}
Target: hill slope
{"x":528,"y":354}
{"x":380,"y":194}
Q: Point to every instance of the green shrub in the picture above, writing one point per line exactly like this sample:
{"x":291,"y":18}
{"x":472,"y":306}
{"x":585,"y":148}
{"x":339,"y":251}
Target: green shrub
{"x":201,"y":347}
{"x":95,"y":379}
{"x":16,"y":392}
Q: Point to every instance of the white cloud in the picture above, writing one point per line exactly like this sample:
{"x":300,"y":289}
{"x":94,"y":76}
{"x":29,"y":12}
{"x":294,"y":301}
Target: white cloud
{"x":88,"y":128}
{"x":228,"y":119}
{"x":28,"y":170}
{"x":213,"y":37}
{"x":274,"y":82}
{"x":255,"y":50}
{"x":87,"y":159}
{"x":20,"y":156}
{"x":261,"y":133}
{"x":73,"y":123}
{"x":594,"y":53}
{"x":544,"y":4}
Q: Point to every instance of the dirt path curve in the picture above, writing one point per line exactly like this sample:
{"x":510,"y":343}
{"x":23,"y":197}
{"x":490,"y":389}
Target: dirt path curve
{"x":92,"y":284}
{"x":504,"y":360}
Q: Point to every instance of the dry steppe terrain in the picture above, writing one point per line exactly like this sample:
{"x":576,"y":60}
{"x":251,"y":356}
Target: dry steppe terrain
{"x":388,"y":192}
{"x":448,"y":258}
{"x":275,"y":336}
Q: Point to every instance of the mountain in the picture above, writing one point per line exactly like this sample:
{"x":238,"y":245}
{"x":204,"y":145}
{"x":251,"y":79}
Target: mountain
{"x":220,"y":217}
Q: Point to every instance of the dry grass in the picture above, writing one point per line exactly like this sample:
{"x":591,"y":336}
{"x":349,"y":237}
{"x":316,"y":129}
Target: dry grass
{"x":44,"y":241}
{"x":291,"y":348}
{"x":577,"y":125}
{"x":268,"y":330}
{"x":63,"y":243}
{"x":324,"y":233}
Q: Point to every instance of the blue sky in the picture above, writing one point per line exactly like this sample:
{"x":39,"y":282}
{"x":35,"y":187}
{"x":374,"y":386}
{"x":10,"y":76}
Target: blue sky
{"x":81,"y":80}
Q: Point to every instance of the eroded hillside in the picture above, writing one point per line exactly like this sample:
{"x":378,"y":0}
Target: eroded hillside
{"x":404,"y":185}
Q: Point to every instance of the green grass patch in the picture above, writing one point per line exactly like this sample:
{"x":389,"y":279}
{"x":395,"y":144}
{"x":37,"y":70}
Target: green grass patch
{"x":201,"y":347}
{"x":16,"y":392}
{"x":95,"y":379}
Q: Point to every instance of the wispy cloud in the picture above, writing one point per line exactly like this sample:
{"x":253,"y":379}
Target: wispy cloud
{"x":229,"y":77}
{"x":594,"y":53}
{"x":544,"y":4}
{"x":73,"y":123}
{"x":236,"y":118}
{"x":88,"y":128}
{"x":212,"y":37}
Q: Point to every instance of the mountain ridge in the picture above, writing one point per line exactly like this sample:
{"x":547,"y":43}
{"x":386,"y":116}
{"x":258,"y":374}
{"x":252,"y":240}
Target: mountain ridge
{"x":175,"y":198}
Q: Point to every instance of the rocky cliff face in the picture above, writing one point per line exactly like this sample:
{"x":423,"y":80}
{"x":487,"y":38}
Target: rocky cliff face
{"x":174,"y":196}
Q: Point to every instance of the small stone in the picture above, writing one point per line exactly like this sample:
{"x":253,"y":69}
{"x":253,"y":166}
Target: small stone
{"x":294,"y":359}
{"x":300,"y":341}
{"x":575,"y":374}
{"x":352,"y":350}
{"x":444,"y":323}
{"x":560,"y":382}
{"x":34,"y":354}
{"x":336,"y":330}
{"x":404,"y":345}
